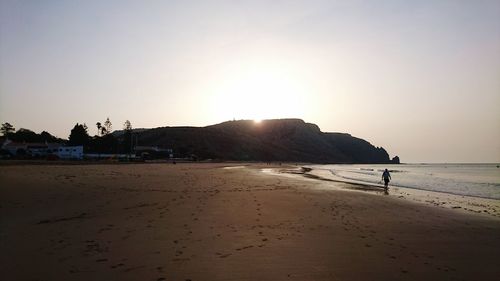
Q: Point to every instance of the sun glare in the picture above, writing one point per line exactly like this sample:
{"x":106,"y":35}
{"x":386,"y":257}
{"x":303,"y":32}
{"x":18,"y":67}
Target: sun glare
{"x":260,"y":92}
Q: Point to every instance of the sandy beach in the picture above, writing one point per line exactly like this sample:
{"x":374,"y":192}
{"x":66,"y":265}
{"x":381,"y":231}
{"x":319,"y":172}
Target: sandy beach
{"x":210,"y":222}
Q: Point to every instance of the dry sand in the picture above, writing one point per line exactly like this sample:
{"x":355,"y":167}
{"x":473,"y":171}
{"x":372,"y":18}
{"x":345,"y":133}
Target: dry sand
{"x":203,"y":222}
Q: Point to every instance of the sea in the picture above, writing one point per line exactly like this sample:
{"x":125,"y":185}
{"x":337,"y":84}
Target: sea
{"x":475,"y":180}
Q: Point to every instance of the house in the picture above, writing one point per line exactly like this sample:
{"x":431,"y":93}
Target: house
{"x":42,"y":149}
{"x":37,"y":149}
{"x":70,"y":152}
{"x":30,"y":148}
{"x":15,"y":148}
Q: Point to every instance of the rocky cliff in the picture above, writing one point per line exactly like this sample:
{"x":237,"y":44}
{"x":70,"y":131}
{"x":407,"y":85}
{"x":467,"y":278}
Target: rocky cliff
{"x":269,"y":140}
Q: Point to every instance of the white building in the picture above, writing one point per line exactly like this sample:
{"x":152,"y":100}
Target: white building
{"x":30,"y":148}
{"x":70,"y":152}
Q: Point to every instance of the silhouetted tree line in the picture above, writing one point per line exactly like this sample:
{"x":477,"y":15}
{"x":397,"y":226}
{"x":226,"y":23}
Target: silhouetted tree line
{"x":103,"y":142}
{"x":25,"y":135}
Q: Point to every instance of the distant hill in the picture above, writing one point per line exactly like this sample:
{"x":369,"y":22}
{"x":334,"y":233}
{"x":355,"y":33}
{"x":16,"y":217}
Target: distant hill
{"x":269,"y":140}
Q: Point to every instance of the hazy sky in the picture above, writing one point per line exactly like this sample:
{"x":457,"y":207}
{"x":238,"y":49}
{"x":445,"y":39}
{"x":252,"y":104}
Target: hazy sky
{"x":420,"y":78}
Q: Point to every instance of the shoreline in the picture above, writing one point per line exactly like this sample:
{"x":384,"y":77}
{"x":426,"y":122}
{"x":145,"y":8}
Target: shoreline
{"x":478,"y":205}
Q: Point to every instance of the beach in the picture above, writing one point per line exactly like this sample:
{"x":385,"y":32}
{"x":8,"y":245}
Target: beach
{"x":205,"y":221}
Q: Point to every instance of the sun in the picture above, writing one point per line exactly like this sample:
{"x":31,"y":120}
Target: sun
{"x":260,"y":92}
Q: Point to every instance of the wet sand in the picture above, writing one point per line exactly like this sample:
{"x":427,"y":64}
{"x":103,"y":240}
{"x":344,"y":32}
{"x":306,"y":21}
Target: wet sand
{"x":486,"y":206}
{"x":204,"y":222}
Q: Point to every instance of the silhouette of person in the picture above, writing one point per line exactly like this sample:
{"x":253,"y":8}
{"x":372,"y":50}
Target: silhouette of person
{"x":386,"y":176}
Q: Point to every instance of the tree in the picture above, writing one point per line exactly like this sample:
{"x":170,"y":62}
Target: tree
{"x":108,"y":126}
{"x":79,"y":135}
{"x":127,"y":136}
{"x":7,"y":129}
{"x":99,"y":126}
{"x":47,"y":137}
{"x":25,"y":135}
{"x":127,"y":126}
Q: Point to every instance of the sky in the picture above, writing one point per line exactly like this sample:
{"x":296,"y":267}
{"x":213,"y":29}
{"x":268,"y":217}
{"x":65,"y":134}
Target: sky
{"x":419,"y":78}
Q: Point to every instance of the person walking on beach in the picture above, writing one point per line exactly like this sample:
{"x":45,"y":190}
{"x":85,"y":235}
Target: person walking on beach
{"x":386,"y":176}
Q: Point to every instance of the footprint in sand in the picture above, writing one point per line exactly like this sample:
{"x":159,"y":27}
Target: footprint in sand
{"x":244,"y":248}
{"x":222,"y":255}
{"x":117,"y":265}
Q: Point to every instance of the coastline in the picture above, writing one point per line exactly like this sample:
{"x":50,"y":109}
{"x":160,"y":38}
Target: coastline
{"x":471,"y":204}
{"x":208,"y":222}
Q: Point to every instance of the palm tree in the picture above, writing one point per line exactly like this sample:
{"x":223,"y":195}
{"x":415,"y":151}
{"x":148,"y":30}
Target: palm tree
{"x":98,"y":124}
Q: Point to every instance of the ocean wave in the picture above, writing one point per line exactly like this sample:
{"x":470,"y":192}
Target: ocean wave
{"x":465,"y":180}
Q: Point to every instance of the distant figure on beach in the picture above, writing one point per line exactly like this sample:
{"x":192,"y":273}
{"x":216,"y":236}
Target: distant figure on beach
{"x":386,"y":176}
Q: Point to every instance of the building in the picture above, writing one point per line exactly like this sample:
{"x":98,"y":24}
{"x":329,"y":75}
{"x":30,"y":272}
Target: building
{"x":153,"y":151}
{"x":15,"y":148}
{"x":70,"y":152}
{"x":42,"y":150}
